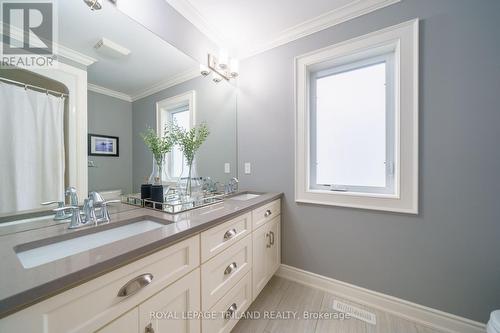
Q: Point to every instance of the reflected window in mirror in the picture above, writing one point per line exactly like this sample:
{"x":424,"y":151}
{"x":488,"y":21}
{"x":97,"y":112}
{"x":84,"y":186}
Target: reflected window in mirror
{"x":180,"y":110}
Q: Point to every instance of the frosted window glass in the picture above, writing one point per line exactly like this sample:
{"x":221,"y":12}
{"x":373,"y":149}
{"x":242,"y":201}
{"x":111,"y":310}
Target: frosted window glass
{"x":351,"y":127}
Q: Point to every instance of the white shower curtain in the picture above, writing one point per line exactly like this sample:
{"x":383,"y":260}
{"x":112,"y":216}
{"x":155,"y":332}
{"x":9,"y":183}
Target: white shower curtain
{"x":31,"y":148}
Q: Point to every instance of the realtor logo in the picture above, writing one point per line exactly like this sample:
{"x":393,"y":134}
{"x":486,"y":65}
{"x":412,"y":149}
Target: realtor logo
{"x":28,"y":32}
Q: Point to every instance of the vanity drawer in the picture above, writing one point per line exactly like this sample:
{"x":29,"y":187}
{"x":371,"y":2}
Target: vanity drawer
{"x":265,"y":213}
{"x":238,"y":299}
{"x":222,"y":272}
{"x":219,"y":238}
{"x":94,"y":304}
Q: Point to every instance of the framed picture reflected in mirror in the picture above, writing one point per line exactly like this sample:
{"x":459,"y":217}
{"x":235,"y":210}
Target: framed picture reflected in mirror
{"x":103,"y":145}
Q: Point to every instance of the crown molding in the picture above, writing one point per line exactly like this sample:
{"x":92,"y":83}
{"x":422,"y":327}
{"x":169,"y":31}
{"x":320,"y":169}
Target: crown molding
{"x":324,"y":21}
{"x":177,"y":79}
{"x":75,"y":56}
{"x":186,"y":9}
{"x":59,"y":49}
{"x":329,"y":19}
{"x":105,"y":91}
{"x":173,"y":81}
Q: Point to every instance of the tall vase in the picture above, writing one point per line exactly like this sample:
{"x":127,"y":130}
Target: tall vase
{"x":159,"y":174}
{"x":189,"y":185}
{"x":155,"y":176}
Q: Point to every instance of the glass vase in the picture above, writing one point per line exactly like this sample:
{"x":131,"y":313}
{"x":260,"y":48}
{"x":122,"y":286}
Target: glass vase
{"x":159,"y":174}
{"x":189,"y":185}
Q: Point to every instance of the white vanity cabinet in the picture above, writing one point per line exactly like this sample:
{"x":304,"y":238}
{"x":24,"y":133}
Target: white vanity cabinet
{"x":175,"y":303}
{"x":220,"y":270}
{"x":266,"y":253}
{"x":127,"y":323}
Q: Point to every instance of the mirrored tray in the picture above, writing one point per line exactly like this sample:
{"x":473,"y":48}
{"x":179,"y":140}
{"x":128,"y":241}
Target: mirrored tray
{"x":174,"y":203}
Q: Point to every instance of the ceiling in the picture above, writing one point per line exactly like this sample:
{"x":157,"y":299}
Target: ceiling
{"x":152,"y":61}
{"x":246,"y":27}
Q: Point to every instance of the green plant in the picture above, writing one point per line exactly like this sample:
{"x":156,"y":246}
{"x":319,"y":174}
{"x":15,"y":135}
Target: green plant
{"x":189,"y":142}
{"x":160,"y":145}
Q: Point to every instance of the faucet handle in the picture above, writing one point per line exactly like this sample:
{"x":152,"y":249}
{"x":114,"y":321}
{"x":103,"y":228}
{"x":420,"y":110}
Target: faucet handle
{"x":65,"y":208}
{"x":76,"y":219}
{"x":96,"y":197}
{"x":73,"y":196}
{"x":60,"y":215}
{"x":104,"y":214}
{"x":60,"y":203}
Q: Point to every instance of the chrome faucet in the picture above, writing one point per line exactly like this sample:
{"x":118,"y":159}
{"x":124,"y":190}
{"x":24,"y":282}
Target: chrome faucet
{"x":95,"y":211}
{"x":232,"y":186}
{"x":73,"y":195}
{"x":73,"y":199}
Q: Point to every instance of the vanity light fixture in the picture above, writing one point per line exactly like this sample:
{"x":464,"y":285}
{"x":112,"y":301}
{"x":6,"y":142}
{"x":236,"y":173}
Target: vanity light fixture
{"x":94,"y":4}
{"x":217,"y":78}
{"x":204,"y":70}
{"x":223,"y":69}
{"x":223,"y":59}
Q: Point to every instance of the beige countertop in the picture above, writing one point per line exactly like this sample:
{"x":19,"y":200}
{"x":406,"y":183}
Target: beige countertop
{"x":21,"y":287}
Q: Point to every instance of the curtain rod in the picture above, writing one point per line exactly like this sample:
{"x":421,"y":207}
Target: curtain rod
{"x":26,"y":86}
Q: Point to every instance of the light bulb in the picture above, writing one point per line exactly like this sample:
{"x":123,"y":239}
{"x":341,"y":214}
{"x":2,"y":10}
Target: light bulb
{"x":223,"y":58}
{"x":217,"y":78}
{"x":234,"y":67}
{"x":204,"y":70}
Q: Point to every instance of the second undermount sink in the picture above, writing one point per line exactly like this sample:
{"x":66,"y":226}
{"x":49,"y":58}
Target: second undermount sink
{"x":43,"y":254}
{"x":244,"y":196}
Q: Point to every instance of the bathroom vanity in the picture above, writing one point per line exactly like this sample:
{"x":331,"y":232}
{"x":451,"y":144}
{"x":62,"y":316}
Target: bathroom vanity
{"x":190,"y":272}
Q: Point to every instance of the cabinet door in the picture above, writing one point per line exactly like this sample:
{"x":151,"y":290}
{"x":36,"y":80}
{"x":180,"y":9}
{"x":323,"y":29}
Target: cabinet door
{"x":166,"y":312}
{"x":274,"y":251}
{"x":128,"y":323}
{"x":261,"y":244}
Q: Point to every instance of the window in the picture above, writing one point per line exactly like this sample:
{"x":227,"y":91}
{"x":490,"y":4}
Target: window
{"x":357,"y":135}
{"x":181,"y":110}
{"x":352,"y":126}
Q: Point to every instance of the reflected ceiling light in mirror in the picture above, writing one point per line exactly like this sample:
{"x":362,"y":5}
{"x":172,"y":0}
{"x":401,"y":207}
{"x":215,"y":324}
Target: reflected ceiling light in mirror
{"x":222,"y":69}
{"x":94,"y":4}
{"x":234,"y":67}
{"x":217,"y":78}
{"x":223,"y":59}
{"x":204,"y":70}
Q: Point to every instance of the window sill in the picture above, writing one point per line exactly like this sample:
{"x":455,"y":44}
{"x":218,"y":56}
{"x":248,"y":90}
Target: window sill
{"x":356,"y":194}
{"x":382,"y":202}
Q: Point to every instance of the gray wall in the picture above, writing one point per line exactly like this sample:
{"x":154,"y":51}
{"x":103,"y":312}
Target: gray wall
{"x":111,"y":116}
{"x":447,"y":257}
{"x":215,"y":105}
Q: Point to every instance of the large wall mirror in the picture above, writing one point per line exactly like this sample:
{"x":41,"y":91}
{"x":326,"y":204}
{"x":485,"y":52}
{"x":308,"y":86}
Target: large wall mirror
{"x":134,"y":81}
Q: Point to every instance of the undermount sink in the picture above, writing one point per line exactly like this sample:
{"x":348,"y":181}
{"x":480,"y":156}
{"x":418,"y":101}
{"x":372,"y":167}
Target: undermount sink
{"x":44,"y":254}
{"x":244,"y":196}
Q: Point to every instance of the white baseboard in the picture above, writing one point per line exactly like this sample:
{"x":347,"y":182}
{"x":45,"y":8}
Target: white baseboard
{"x":433,"y":318}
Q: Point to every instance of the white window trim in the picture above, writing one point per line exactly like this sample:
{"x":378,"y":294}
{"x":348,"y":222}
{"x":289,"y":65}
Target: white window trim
{"x":171,"y":103}
{"x":403,"y":38}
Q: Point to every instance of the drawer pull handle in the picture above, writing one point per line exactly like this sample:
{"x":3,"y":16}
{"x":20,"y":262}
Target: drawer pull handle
{"x":229,"y":269}
{"x":268,"y":245}
{"x":229,"y":234}
{"x":135,"y":285}
{"x":267,"y":213}
{"x":229,"y":312}
{"x":272,"y":237}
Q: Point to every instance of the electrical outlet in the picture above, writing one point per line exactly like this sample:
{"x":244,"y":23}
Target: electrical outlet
{"x":248,"y":168}
{"x":227,"y":168}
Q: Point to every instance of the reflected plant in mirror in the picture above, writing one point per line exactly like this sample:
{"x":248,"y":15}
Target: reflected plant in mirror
{"x":189,"y":142}
{"x":159,"y":147}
